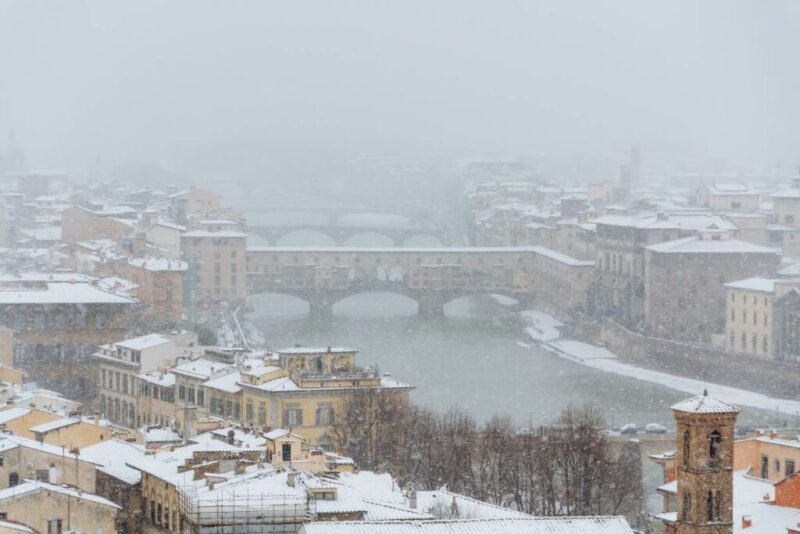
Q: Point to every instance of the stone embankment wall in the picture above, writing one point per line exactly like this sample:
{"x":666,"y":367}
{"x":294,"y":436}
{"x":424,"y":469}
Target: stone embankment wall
{"x":702,"y":362}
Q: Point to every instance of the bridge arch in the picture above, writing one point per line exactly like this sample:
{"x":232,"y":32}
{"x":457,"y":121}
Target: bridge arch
{"x":377,"y":303}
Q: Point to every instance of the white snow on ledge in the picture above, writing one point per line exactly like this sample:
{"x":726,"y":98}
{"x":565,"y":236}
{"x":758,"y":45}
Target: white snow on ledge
{"x":543,"y":326}
{"x":605,"y":360}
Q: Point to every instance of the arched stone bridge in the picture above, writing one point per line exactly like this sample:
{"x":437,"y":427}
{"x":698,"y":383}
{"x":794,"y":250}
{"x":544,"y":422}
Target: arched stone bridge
{"x":335,"y":224}
{"x":431,"y":276}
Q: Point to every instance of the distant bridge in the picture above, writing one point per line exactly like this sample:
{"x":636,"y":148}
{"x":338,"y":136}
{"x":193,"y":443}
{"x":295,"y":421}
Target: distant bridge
{"x":431,"y":276}
{"x":334,"y":224}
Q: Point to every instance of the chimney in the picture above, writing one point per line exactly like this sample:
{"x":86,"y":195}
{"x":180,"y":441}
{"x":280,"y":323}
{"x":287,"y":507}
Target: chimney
{"x":747,"y":521}
{"x":773,"y":434}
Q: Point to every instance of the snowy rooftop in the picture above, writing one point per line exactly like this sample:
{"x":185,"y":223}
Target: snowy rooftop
{"x":227,"y":383}
{"x":171,"y":225}
{"x":201,"y":368}
{"x":164,"y":465}
{"x":204,"y":233}
{"x":532,"y":525}
{"x":704,"y":404}
{"x":10,"y":442}
{"x":112,"y":456}
{"x":316,"y":350}
{"x":53,"y":425}
{"x":143,"y":342}
{"x":731,"y":189}
{"x":30,"y":487}
{"x":13,"y":413}
{"x":60,"y":293}
{"x":764,"y":285}
{"x":710,"y":246}
{"x":47,"y":233}
{"x":160,"y":435}
{"x":682,"y":221}
{"x":159,"y":264}
{"x":158,"y":378}
{"x":431,"y":501}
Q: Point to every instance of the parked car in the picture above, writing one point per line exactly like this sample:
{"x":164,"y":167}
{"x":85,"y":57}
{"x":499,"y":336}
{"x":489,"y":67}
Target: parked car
{"x":630,"y":428}
{"x":655,"y":428}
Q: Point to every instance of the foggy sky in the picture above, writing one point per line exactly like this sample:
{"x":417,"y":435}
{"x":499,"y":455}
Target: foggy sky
{"x":237,"y":86}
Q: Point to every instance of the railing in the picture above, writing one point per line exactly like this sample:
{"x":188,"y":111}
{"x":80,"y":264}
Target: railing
{"x":239,"y":327}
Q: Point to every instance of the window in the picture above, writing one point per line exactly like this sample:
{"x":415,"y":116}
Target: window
{"x":686,"y":505}
{"x":755,"y":318}
{"x":191,"y":395}
{"x":324,"y":415}
{"x":733,"y":315}
{"x":788,"y":466}
{"x":13,"y":479}
{"x":54,"y":526}
{"x":43,"y":475}
{"x":248,"y":411}
{"x":732,"y":339}
{"x":764,"y":466}
{"x":766,"y":320}
{"x":714,"y":443}
{"x":777,"y":465}
{"x":744,"y":342}
{"x":744,"y":317}
{"x":293,"y":415}
{"x":262,"y":413}
{"x":754,"y":342}
{"x":201,"y":397}
{"x":765,"y":344}
{"x":181,"y":392}
{"x":286,"y":452}
{"x":687,"y":440}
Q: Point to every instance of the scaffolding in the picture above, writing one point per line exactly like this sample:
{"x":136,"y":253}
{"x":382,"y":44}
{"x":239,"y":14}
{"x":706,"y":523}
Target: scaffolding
{"x":235,"y":511}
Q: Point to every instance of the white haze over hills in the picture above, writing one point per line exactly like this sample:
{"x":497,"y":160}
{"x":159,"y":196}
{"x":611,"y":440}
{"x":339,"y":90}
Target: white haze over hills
{"x":270,"y":91}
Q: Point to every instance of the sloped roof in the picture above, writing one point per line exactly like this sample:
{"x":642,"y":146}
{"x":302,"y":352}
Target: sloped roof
{"x":533,"y":525}
{"x":704,"y":404}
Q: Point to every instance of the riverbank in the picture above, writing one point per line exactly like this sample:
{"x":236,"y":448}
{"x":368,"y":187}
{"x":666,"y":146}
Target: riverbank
{"x":545,"y":331}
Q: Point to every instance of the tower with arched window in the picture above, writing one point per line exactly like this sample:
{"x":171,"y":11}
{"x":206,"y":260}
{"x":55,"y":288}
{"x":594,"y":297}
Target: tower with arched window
{"x":704,"y":465}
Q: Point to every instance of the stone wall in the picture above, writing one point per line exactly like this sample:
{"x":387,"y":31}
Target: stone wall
{"x":702,"y":362}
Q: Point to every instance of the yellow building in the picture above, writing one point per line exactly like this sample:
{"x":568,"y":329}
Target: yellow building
{"x":218,"y":261}
{"x":194,"y":203}
{"x":749,"y":314}
{"x":28,"y":459}
{"x":305,"y":389}
{"x":768,"y":457}
{"x":54,"y":509}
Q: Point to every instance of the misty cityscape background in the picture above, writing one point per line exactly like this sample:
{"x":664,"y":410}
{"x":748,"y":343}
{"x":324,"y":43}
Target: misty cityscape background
{"x":296,"y":94}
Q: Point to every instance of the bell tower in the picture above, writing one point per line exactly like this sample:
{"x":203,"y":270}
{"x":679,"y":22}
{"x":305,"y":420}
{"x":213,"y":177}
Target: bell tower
{"x":704,"y":465}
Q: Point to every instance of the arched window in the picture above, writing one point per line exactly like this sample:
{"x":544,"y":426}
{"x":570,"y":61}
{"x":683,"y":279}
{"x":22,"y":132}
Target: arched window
{"x":714,"y":443}
{"x":13,"y":479}
{"x":687,"y":440}
{"x":686,"y":505}
{"x":710,"y":507}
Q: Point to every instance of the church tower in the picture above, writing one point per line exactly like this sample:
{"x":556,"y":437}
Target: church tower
{"x":704,"y":465}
